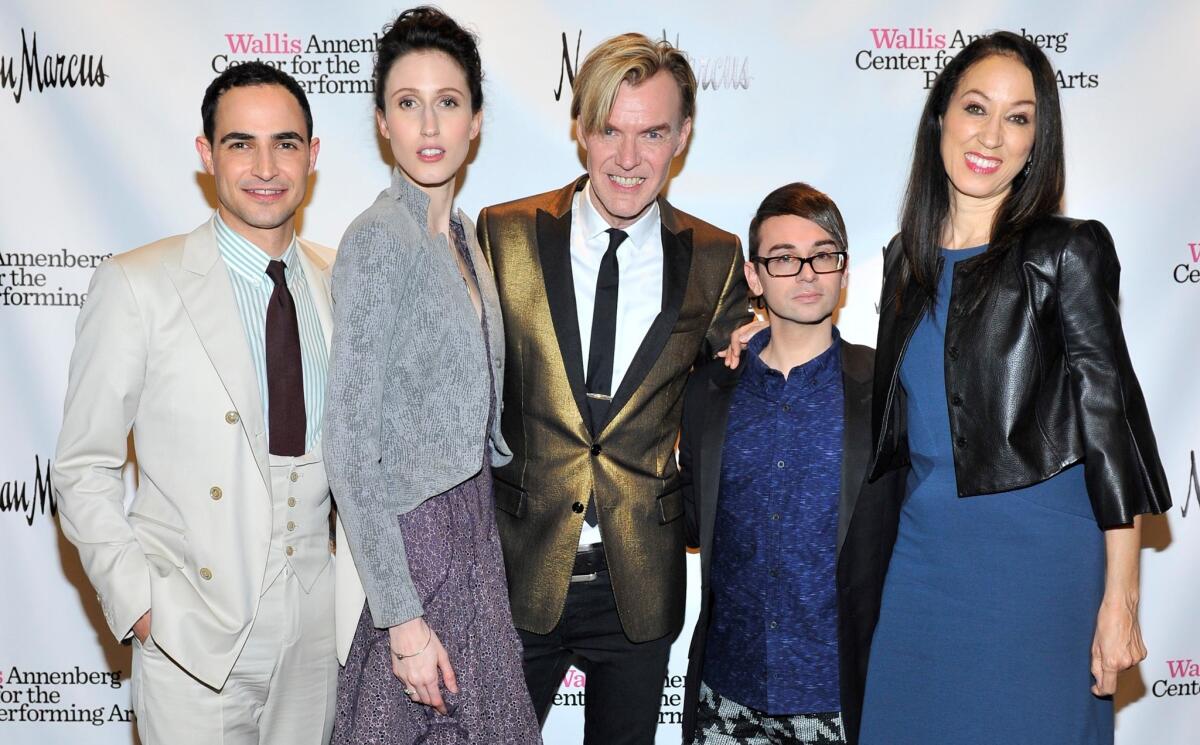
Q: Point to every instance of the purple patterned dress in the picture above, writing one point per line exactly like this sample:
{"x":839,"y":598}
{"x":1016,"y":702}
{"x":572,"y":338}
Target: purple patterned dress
{"x":455,"y":561}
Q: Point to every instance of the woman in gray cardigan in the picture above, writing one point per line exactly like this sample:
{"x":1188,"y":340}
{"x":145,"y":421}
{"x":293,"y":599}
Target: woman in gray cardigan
{"x":412,"y":423}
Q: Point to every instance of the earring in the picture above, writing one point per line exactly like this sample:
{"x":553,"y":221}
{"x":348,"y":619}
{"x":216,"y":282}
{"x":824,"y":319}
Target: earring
{"x":1028,"y":165}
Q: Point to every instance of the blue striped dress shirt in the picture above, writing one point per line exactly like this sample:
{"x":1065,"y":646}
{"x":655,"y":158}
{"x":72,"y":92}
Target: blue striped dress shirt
{"x":252,"y":289}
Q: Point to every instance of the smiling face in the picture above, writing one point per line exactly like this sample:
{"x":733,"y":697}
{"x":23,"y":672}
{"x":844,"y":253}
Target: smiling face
{"x":988,"y":128}
{"x":427,"y":118}
{"x":629,"y":159}
{"x":261,"y":160}
{"x":807,"y":298}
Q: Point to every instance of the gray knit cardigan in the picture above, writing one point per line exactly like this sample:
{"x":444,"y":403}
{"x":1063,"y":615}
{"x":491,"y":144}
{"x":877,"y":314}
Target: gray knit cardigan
{"x":407,"y":403}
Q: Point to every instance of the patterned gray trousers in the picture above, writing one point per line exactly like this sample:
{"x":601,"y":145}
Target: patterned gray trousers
{"x":720,"y":721}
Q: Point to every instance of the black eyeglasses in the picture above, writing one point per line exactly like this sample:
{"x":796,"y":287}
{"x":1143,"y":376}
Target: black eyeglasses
{"x":826,"y":262}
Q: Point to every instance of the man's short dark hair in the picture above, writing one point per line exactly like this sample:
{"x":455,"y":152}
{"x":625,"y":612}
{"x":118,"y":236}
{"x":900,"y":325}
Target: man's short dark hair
{"x":247,"y":74}
{"x":800,"y":200}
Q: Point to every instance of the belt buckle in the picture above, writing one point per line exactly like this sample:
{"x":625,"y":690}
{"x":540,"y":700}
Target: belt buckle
{"x":583,"y":577}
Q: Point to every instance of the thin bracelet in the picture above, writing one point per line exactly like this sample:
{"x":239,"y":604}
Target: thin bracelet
{"x":428,"y":638}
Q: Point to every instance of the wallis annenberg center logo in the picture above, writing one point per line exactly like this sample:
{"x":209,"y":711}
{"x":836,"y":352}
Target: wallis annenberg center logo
{"x":1189,"y":272}
{"x":927,"y":50}
{"x":36,"y":70}
{"x":321,"y":65}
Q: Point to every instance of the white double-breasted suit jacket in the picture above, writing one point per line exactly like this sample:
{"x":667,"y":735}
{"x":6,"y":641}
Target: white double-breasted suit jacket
{"x":161,"y":360}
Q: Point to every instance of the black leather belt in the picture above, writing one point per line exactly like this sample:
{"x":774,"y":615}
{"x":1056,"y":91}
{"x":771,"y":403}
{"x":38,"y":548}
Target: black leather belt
{"x":589,"y":560}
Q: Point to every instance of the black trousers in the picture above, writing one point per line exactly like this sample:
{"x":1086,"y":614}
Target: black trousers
{"x":624,"y":679}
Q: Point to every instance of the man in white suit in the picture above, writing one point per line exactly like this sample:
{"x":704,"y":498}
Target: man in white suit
{"x":211,"y":349}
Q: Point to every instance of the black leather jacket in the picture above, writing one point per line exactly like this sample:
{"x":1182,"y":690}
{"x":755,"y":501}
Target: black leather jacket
{"x":1038,"y":377}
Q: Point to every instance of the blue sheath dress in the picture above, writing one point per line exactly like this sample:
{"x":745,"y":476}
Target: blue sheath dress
{"x":990,"y":602}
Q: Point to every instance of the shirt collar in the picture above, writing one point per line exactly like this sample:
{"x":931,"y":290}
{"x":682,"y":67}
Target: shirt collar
{"x":821,"y":370}
{"x":640,"y":232}
{"x":247,"y":259}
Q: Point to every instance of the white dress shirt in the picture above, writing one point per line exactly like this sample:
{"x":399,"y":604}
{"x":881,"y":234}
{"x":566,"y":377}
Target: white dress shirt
{"x":639,"y":296}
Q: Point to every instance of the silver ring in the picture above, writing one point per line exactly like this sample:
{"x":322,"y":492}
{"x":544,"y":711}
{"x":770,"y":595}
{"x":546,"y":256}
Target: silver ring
{"x":409,"y":692}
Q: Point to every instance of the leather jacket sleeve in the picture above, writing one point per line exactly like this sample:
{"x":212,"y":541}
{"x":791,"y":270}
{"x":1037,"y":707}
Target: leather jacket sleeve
{"x":1122,"y":468}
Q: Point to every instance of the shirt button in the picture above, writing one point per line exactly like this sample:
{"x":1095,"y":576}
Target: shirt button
{"x":773,"y":625}
{"x":205,"y":573}
{"x":960,"y":441}
{"x":291,"y":525}
{"x":577,"y":507}
{"x":956,"y":399}
{"x":290,"y":550}
{"x":775,"y":516}
{"x":291,"y":501}
{"x":780,"y":464}
{"x":787,"y":407}
{"x":596,"y":449}
{"x":952,"y":353}
{"x":232,"y":417}
{"x":294,"y":477}
{"x":215,"y":493}
{"x":774,"y":572}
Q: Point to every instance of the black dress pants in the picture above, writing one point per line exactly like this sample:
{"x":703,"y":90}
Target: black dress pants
{"x":624,"y":679}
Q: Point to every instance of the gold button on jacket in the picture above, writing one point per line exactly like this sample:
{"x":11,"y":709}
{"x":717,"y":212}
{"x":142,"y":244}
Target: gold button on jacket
{"x":546,"y":420}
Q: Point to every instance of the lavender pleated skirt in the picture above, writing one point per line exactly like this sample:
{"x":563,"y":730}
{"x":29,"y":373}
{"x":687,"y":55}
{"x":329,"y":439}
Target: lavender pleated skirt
{"x":454,"y":557}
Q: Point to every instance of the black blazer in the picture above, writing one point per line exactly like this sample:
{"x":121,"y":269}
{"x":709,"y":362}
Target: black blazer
{"x":1038,"y":377}
{"x":867,"y":519}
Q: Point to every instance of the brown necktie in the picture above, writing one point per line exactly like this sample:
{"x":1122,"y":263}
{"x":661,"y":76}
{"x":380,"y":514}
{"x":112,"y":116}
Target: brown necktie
{"x":285,"y":374}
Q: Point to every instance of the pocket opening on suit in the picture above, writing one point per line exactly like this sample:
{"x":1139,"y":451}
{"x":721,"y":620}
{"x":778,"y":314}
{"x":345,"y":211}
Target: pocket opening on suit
{"x":158,"y":522}
{"x":670,"y":506}
{"x":511,"y":498}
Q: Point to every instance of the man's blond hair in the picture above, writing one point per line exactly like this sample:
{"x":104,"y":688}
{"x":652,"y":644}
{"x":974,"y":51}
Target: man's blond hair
{"x":628,"y":58}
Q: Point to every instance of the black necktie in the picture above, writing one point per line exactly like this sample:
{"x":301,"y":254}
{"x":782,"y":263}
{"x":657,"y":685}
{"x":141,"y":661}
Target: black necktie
{"x":285,"y":374}
{"x":603,"y":341}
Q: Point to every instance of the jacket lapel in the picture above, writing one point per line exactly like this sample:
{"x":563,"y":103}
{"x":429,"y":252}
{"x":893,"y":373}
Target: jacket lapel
{"x":489,"y":300}
{"x":316,"y":273}
{"x":207,"y":295}
{"x":554,"y":253}
{"x":856,"y":429}
{"x":712,"y":445}
{"x":677,"y":264}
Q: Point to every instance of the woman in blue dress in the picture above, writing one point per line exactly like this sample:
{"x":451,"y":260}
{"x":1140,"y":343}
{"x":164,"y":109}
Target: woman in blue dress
{"x":1003,"y":378}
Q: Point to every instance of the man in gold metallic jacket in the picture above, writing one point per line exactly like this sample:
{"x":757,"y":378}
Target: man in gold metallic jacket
{"x":609,"y":295}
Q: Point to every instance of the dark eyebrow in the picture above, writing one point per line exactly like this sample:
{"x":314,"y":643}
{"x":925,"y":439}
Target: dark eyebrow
{"x":785,"y":246}
{"x":983,"y":95}
{"x":440,"y":91}
{"x":277,"y":137}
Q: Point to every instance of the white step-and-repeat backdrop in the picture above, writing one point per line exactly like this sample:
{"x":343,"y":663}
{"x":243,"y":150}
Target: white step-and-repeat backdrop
{"x":99,"y":104}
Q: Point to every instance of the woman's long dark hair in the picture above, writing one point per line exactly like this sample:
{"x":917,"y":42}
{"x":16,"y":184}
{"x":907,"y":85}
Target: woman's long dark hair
{"x":1035,"y":193}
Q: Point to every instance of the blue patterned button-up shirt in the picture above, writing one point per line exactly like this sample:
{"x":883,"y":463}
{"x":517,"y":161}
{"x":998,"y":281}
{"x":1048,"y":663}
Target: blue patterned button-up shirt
{"x":772,"y":642}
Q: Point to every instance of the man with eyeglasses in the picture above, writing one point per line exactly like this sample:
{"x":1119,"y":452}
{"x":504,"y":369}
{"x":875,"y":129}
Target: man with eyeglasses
{"x":794,"y":543}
